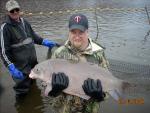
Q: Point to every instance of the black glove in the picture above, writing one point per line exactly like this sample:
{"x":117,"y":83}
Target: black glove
{"x":93,"y":89}
{"x":60,"y":81}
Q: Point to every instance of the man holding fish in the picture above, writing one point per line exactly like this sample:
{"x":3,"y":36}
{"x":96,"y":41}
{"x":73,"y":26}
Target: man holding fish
{"x":79,"y":48}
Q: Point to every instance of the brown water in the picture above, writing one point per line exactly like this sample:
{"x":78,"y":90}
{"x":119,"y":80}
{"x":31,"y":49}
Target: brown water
{"x":123,"y":25}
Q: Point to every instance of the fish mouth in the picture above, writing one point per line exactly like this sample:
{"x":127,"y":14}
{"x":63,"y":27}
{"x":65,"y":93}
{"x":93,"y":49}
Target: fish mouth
{"x":31,"y":75}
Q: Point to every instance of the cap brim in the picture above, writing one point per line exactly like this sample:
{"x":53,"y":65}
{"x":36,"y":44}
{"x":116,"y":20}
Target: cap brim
{"x":11,"y":8}
{"x":77,"y":27}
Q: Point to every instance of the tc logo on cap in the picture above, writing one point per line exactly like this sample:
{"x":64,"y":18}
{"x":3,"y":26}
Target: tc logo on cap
{"x":77,"y":19}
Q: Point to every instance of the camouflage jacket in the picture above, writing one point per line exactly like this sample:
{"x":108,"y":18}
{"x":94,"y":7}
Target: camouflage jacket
{"x":72,"y":104}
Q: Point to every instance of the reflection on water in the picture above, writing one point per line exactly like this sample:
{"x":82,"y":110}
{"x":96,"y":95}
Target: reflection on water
{"x":123,"y":26}
{"x":123,"y":35}
{"x":31,"y":103}
{"x":121,"y":31}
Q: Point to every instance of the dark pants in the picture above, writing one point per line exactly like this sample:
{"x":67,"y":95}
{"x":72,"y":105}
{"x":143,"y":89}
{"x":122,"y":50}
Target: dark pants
{"x":22,"y":87}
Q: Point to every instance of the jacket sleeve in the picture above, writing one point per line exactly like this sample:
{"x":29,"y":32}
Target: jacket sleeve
{"x":5,"y":49}
{"x":103,"y":62}
{"x":37,"y":39}
{"x":54,"y":55}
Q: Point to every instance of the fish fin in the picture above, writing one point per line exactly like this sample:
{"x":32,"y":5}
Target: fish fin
{"x":115,"y":94}
{"x":72,"y":61}
{"x":118,"y":93}
{"x":47,"y":90}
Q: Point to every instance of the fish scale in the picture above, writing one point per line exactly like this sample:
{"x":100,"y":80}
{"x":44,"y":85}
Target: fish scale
{"x":77,"y":73}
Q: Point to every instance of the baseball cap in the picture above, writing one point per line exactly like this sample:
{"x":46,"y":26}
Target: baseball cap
{"x":78,"y":21}
{"x":12,"y":4}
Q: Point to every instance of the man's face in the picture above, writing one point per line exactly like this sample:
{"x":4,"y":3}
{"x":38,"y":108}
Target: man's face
{"x":14,"y":14}
{"x":78,"y":38}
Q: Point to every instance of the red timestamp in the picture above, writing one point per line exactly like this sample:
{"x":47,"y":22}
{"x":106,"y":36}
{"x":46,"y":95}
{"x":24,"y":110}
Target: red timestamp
{"x":133,"y":101}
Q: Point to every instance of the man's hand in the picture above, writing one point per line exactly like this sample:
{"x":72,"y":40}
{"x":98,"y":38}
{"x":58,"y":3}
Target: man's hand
{"x":15,"y":72}
{"x":93,"y":89}
{"x":60,"y":82}
{"x":49,"y":43}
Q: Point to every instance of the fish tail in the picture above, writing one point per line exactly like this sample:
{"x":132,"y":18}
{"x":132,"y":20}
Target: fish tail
{"x":118,"y":93}
{"x":125,"y":85}
{"x":135,"y":88}
{"x":123,"y":88}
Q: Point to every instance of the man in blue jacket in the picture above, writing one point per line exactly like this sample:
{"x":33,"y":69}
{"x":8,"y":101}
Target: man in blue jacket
{"x":17,"y":49}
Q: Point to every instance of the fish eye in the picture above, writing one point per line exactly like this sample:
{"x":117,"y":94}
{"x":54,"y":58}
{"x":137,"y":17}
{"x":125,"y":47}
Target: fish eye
{"x":37,"y":70}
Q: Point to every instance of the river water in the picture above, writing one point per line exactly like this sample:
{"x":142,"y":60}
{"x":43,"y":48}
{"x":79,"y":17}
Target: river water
{"x":123,"y":29}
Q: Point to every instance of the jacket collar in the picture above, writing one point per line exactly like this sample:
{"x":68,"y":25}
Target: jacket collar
{"x":92,"y":47}
{"x":11,"y":21}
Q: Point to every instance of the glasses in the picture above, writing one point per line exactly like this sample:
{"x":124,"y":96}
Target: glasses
{"x":15,"y":10}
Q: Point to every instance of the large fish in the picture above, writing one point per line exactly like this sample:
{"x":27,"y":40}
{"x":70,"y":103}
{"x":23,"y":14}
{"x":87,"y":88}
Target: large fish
{"x":77,"y":73}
